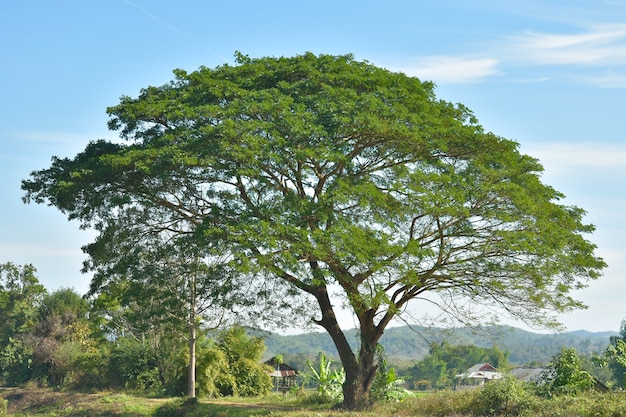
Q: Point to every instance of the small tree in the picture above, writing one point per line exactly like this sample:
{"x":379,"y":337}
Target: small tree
{"x":564,"y":375}
{"x":614,"y":357}
{"x":20,"y":296}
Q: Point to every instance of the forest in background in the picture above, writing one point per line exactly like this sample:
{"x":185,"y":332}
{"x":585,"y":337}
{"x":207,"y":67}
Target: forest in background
{"x":413,"y":343}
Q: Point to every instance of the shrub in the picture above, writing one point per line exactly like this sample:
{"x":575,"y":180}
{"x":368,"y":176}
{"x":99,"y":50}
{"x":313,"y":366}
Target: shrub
{"x":134,"y":364}
{"x":509,"y":397}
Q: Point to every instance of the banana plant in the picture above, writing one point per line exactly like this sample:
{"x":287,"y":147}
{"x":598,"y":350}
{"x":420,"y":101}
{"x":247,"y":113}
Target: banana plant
{"x":329,"y":381}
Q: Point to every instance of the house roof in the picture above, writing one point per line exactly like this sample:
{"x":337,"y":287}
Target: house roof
{"x":282,"y":369}
{"x":282,"y":374}
{"x":534,"y":375}
{"x":481,"y":371}
{"x":528,"y":374}
{"x":481,"y":367}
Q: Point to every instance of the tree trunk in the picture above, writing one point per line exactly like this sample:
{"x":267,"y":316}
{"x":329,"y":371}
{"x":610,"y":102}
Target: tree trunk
{"x":191,"y":372}
{"x":360,"y":376}
{"x":360,"y":372}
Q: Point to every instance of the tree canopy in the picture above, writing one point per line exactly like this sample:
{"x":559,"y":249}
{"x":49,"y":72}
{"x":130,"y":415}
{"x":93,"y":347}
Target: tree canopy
{"x":327,"y":179}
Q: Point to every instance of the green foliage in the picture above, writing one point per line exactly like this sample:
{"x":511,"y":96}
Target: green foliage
{"x":564,"y":375}
{"x":133,"y":364}
{"x":62,"y":340}
{"x":614,"y":357}
{"x":92,"y":370}
{"x":245,"y":375}
{"x":212,"y":376}
{"x":445,"y":361}
{"x":505,"y":397}
{"x":442,"y":403}
{"x":16,"y":360}
{"x":590,"y":404}
{"x":328,"y":381}
{"x":66,"y":303}
{"x":20,"y":295}
{"x":388,"y":386}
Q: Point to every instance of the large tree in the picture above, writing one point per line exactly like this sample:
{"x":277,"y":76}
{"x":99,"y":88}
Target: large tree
{"x":339,"y":181}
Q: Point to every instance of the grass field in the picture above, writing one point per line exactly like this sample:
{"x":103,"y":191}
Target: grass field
{"x":51,"y":403}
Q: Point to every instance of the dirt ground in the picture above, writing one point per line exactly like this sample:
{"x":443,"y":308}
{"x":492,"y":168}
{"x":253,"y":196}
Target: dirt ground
{"x":37,"y":400}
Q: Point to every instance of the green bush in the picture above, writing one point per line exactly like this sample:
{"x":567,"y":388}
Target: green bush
{"x":133,"y":364}
{"x":16,"y":360}
{"x":508,"y":397}
{"x":4,"y":405}
{"x":92,"y":370}
{"x":231,"y":366}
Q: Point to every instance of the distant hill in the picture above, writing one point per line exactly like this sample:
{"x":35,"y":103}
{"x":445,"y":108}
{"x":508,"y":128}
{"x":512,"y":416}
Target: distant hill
{"x":412,"y":343}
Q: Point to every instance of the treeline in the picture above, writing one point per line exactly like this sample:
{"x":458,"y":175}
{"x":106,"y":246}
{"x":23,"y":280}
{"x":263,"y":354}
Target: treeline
{"x":62,"y":339}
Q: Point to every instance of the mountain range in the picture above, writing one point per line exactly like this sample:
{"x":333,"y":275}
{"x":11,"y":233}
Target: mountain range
{"x":408,"y":343}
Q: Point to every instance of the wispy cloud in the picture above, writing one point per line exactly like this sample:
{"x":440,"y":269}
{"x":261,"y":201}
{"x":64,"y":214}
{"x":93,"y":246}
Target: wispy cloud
{"x":601,"y":47}
{"x":452,"y":69}
{"x":603,"y":44}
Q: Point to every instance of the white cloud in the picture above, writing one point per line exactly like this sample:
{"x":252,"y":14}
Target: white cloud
{"x":451,"y":69}
{"x":592,"y":46}
{"x":598,"y":45}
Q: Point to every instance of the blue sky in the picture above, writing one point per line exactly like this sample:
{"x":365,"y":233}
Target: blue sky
{"x":549,"y":74}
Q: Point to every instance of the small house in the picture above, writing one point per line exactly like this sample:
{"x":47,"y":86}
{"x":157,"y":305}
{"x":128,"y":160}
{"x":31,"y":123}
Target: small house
{"x":284,"y":376}
{"x":478,"y":374}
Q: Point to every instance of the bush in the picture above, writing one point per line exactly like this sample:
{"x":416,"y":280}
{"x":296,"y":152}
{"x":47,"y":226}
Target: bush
{"x":92,"y":370}
{"x":223,"y":370}
{"x":4,"y":405}
{"x":509,"y":397}
{"x":134,"y":364}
